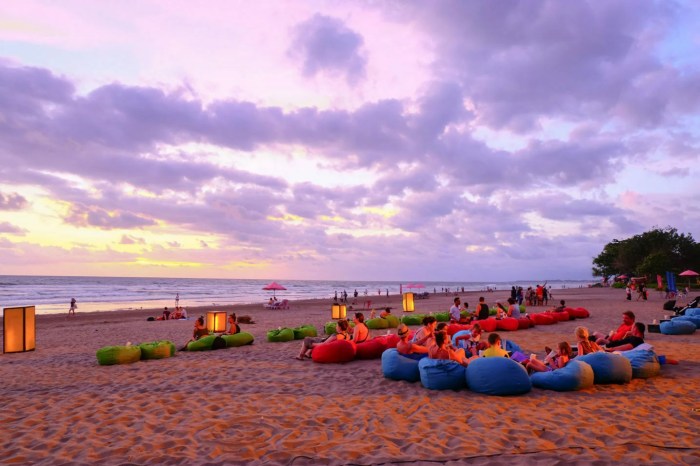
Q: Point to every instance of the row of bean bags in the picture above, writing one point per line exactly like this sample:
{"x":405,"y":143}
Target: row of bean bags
{"x":280,"y":335}
{"x":304,"y":331}
{"x":677,"y":327}
{"x":111,"y":355}
{"x":370,"y":349}
{"x":508,"y":324}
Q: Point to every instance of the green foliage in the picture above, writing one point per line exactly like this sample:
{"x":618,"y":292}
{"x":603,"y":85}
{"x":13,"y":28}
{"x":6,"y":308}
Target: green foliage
{"x":649,"y":253}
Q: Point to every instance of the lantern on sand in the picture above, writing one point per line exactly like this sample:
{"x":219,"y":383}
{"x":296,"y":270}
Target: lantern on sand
{"x":19,"y":329}
{"x":408,"y":302}
{"x":338,"y":311}
{"x":216,"y":321}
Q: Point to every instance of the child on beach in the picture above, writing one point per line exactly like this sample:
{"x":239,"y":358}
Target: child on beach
{"x":471,"y":342}
{"x":425,"y":335}
{"x":553,"y":361}
{"x":583,"y":343}
{"x":494,"y":349}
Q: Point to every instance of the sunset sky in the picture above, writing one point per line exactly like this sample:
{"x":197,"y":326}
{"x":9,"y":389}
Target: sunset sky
{"x":424,"y":140}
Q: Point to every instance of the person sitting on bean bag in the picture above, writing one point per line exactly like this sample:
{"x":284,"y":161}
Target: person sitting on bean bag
{"x":441,"y":350}
{"x":553,"y":361}
{"x":494,"y":349}
{"x":632,"y":339}
{"x":309,"y":343}
{"x":424,"y":336}
{"x":472,"y":342}
{"x":583,"y":342}
{"x":627,"y":323}
{"x":233,"y":325}
{"x":200,"y":330}
{"x":361,"y":332}
{"x":386,"y":312}
{"x":408,"y":348}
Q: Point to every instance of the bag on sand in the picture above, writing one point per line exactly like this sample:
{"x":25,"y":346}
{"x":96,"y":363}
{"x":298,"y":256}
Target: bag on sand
{"x":219,"y":343}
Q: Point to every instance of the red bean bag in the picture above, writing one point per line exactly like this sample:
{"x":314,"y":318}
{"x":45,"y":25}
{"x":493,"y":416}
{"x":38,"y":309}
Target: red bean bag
{"x":454,"y":328}
{"x":370,"y":349}
{"x":543,"y":319}
{"x":570,"y":310}
{"x":334,"y":352}
{"x":524,"y":323}
{"x":487,"y":325}
{"x":508,"y":324}
{"x":389,"y":341}
{"x":562,"y":316}
{"x":580,"y":313}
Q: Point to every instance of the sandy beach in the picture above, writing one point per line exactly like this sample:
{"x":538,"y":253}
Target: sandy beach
{"x":258,"y":405}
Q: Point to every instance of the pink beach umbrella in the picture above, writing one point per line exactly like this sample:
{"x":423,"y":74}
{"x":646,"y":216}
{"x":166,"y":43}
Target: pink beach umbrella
{"x":688,"y":273}
{"x":274,"y":286}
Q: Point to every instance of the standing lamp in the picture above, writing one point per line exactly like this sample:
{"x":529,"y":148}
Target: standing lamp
{"x":408,"y":302}
{"x":338,"y":311}
{"x":216,"y":321}
{"x":19,"y":329}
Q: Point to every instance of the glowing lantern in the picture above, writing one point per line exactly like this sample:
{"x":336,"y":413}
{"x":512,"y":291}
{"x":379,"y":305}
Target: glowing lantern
{"x":408,"y":302}
{"x":216,"y":321}
{"x":338,"y":311}
{"x":19,"y":325}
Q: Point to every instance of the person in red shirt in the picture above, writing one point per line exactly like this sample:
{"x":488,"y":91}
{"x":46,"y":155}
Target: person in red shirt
{"x":614,"y":335}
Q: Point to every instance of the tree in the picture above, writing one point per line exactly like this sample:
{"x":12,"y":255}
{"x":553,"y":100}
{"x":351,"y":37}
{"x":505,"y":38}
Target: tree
{"x":649,"y":253}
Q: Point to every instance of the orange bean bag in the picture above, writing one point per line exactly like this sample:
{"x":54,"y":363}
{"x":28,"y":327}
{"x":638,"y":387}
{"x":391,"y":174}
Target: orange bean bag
{"x":543,"y":319}
{"x":580,"y":313}
{"x":562,"y":316}
{"x":508,"y":324}
{"x":488,"y":325}
{"x":454,"y":328}
{"x":524,"y":323}
{"x":370,"y":349}
{"x":334,"y":352}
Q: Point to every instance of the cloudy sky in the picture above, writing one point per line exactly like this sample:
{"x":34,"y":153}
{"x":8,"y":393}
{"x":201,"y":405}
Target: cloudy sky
{"x":450,"y":140}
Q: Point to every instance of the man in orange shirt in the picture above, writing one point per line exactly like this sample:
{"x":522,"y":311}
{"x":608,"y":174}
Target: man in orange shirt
{"x":626,"y":326}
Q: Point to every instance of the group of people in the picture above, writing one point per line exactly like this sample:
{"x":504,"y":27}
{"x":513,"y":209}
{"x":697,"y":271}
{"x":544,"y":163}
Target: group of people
{"x":178,"y":313}
{"x":460,"y":314}
{"x":360,"y":333}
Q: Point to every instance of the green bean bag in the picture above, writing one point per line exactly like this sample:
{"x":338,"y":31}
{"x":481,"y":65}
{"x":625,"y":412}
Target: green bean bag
{"x":238,"y":339}
{"x":284,"y":334}
{"x":329,"y":328}
{"x":304,"y":331}
{"x":393,"y":321}
{"x":412,"y":319}
{"x":157,"y":349}
{"x":110,"y":355}
{"x":203,"y":344}
{"x":442,"y":316}
{"x":376,"y":324}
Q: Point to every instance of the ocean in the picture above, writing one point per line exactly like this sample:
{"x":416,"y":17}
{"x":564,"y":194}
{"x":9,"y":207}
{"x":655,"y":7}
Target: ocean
{"x":52,"y":294}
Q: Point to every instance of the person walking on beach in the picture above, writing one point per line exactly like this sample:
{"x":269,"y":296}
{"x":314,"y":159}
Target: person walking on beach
{"x":73,"y":307}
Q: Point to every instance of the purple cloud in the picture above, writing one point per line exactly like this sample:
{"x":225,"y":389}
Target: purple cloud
{"x":81,"y":215}
{"x":326,"y":44}
{"x":12,"y":201}
{"x":6,"y":227}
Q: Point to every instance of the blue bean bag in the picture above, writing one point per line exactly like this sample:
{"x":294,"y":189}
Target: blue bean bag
{"x":441,"y":374}
{"x":512,"y":347}
{"x":459,"y":334}
{"x":608,"y":367}
{"x":576,"y":375}
{"x":398,"y":367}
{"x":692,"y":311}
{"x":645,"y":364}
{"x":693,"y":319}
{"x":677,"y":327}
{"x":497,"y":376}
